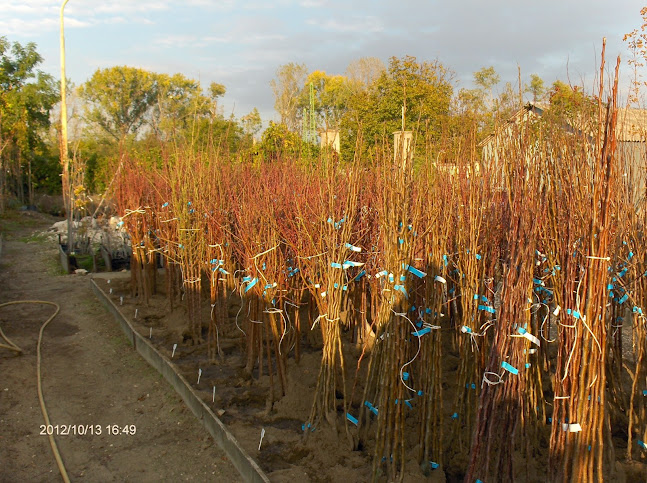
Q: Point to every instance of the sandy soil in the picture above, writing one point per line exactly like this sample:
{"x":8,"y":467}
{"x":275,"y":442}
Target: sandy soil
{"x":243,"y":403}
{"x":91,"y":376}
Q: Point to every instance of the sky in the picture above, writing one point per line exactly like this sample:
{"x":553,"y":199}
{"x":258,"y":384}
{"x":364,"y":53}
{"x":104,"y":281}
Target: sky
{"x":241,"y":44}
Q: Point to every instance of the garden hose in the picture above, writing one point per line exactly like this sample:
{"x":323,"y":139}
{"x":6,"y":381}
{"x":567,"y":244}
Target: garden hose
{"x":14,"y":347}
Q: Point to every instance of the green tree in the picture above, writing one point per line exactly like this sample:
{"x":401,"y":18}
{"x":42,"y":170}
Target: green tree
{"x":566,"y":98}
{"x":178,"y":101}
{"x":479,"y":103}
{"x":486,"y":79}
{"x":331,"y":94}
{"x":425,"y":88}
{"x":286,"y":87}
{"x":536,"y":88}
{"x":279,"y":142}
{"x":119,"y":99}
{"x":364,"y":71}
{"x":216,"y":91}
{"x":506,"y":103}
{"x":251,"y":122}
{"x":27,"y":96}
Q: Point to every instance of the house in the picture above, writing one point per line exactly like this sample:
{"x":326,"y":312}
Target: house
{"x":495,"y":142}
{"x":631,"y":137}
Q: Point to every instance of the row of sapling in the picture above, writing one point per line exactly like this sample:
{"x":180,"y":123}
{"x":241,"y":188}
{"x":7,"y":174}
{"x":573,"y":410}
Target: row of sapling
{"x":262,"y":257}
{"x":506,"y":388}
{"x":137,"y":193}
{"x":322,"y":238}
{"x":522,"y":268}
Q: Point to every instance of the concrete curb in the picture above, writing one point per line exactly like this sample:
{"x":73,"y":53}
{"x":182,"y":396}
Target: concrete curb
{"x":65,"y":260}
{"x":246,"y":466}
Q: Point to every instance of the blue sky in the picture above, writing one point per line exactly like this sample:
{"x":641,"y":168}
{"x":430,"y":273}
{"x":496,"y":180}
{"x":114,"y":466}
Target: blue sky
{"x":241,"y":44}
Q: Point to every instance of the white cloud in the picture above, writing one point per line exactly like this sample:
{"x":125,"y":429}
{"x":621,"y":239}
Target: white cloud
{"x":180,"y":41}
{"x":25,"y":8}
{"x":197,"y":41}
{"x":370,"y":24}
{"x":259,"y":38}
{"x":312,"y":3}
{"x":267,"y":5}
{"x":121,"y":7}
{"x":219,"y":39}
{"x":20,"y":27}
{"x":218,"y":5}
{"x":77,"y":23}
{"x":115,"y":20}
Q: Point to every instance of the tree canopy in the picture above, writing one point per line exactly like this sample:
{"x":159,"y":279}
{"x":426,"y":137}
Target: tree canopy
{"x":286,"y":87}
{"x":424,"y":88}
{"x":27,"y":95}
{"x":119,"y":98}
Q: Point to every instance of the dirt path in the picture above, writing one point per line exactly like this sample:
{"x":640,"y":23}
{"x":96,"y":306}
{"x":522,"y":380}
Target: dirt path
{"x":91,"y":376}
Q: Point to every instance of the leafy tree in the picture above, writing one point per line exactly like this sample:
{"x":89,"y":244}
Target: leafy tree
{"x":148,"y":110}
{"x":566,"y":98}
{"x":119,"y":99}
{"x":478,"y":103}
{"x":486,"y":79}
{"x":286,"y":88}
{"x":252,"y":122}
{"x":536,"y":88}
{"x":507,"y":102}
{"x":637,"y":43}
{"x":100,"y":156}
{"x":27,"y":96}
{"x":178,"y":101}
{"x":483,"y":108}
{"x":279,"y":142}
{"x":215,"y":92}
{"x":331,"y":94}
{"x":570,"y":110}
{"x":425,"y":88}
{"x":364,"y":71}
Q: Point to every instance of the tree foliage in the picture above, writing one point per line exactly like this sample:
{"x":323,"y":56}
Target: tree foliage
{"x":27,"y":95}
{"x":479,"y":104}
{"x":331,"y":95}
{"x":362,"y":72}
{"x":280,"y":143}
{"x":637,"y":42}
{"x":119,"y":98}
{"x":566,"y":98}
{"x":425,"y":88}
{"x":133,"y":109}
{"x":286,"y":87}
{"x":252,"y":122}
{"x":536,"y":88}
{"x":177,"y":101}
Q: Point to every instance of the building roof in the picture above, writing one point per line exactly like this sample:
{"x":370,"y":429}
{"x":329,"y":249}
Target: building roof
{"x":632,"y":125}
{"x":519,"y":116}
{"x":631,"y":122}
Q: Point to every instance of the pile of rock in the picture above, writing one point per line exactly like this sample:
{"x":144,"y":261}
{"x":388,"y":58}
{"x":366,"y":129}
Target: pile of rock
{"x":93,"y":232}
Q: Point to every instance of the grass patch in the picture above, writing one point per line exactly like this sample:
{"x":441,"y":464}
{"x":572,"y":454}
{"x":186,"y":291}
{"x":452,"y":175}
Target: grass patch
{"x":35,"y":237}
{"x":14,"y":220}
{"x":53,"y":266}
{"x":119,"y":340}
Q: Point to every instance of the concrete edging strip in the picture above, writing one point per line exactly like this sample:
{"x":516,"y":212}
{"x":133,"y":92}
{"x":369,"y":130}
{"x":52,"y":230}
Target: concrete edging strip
{"x":246,"y":466}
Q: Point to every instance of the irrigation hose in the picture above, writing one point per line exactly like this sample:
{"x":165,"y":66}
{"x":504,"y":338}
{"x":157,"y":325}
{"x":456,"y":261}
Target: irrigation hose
{"x":14,"y":347}
{"x":9,"y":345}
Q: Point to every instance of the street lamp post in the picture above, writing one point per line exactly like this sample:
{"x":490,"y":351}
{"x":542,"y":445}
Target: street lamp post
{"x":65,"y":160}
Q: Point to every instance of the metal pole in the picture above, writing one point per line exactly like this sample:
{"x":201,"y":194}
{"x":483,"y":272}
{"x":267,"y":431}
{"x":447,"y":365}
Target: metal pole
{"x":65,"y":160}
